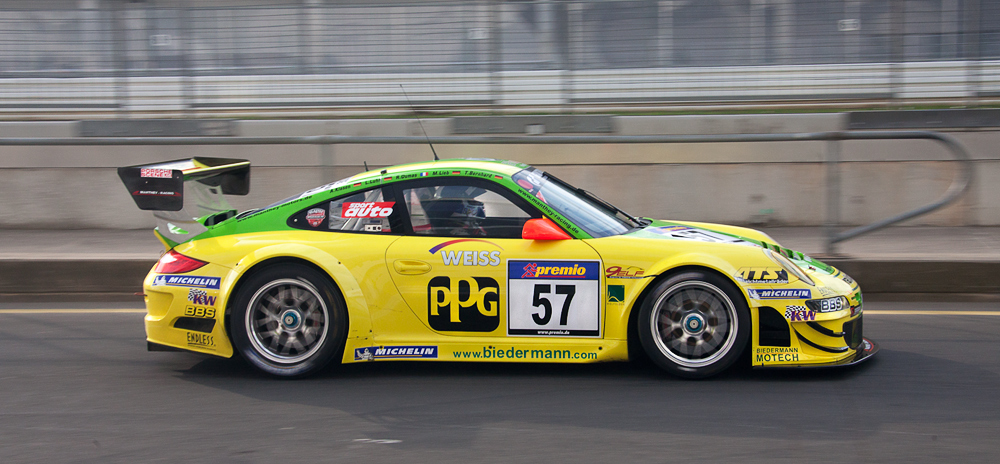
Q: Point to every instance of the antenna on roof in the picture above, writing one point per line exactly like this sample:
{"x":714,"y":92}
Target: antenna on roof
{"x":419,"y":122}
{"x":366,"y":165}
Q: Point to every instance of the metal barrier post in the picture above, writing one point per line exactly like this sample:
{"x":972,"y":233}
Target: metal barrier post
{"x":832,"y":222}
{"x":495,"y":57}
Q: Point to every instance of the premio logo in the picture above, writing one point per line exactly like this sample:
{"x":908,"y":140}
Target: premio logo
{"x":542,"y":270}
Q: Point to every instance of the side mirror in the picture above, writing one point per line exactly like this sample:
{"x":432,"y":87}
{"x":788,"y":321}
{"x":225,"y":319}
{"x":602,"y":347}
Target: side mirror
{"x":543,"y":229}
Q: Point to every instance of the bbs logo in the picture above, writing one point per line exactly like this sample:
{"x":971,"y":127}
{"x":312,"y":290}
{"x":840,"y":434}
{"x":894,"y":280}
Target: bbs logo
{"x":463,"y":305}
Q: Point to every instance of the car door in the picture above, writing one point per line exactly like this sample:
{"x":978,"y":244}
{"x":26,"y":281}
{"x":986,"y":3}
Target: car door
{"x":464,"y":270}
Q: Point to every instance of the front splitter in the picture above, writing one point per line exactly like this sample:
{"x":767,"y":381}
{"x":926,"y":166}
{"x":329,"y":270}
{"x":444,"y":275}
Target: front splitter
{"x":868,"y":349}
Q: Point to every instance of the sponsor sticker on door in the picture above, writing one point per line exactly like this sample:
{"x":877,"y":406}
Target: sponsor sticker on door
{"x":554,"y":298}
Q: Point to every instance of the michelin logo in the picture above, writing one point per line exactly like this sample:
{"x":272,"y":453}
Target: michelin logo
{"x":394,"y":352}
{"x":187,"y":281}
{"x":781,"y":294}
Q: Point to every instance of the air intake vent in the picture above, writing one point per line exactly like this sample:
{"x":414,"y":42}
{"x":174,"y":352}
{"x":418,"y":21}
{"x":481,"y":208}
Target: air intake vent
{"x":196,"y":324}
{"x":852,"y":333}
{"x":773,"y":328}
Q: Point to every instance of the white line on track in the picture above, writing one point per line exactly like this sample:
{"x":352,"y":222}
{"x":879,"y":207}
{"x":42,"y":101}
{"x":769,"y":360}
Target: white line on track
{"x":905,"y":312}
{"x":883,"y":312}
{"x":72,"y":311}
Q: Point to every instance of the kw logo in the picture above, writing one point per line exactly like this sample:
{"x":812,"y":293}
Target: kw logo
{"x":763,"y":275}
{"x":201,"y":297}
{"x":464,"y":305}
{"x":799,"y":313}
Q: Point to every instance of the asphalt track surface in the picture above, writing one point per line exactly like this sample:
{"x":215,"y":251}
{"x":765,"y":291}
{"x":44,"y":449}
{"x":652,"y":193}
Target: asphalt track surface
{"x":81,"y":387}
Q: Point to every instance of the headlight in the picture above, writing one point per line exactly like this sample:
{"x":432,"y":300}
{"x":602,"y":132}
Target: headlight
{"x":828,"y":305}
{"x":789,"y":266}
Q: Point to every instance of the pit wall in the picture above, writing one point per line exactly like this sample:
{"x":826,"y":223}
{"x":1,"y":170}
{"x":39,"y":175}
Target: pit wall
{"x":773,"y":184}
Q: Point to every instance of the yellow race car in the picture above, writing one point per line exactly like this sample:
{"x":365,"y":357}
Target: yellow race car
{"x":474,"y":260}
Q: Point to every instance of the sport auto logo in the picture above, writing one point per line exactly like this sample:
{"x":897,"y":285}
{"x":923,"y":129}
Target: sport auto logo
{"x":367,"y":209}
{"x":464,"y":305}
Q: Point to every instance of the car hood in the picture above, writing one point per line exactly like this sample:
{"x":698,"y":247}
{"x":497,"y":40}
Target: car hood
{"x":725,"y":234}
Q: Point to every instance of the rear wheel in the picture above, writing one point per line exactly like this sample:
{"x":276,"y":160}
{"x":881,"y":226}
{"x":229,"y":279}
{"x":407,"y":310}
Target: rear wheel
{"x":694,"y":324}
{"x":288,"y":320}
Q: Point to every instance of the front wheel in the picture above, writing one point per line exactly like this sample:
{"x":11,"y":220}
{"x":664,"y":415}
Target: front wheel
{"x":288,"y":321}
{"x":694,"y":324}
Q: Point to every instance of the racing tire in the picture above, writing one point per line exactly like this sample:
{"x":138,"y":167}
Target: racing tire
{"x":289,"y":321}
{"x":694,"y":324}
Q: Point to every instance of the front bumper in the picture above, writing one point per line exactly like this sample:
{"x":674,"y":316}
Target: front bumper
{"x":803,"y":331}
{"x":865,"y":352}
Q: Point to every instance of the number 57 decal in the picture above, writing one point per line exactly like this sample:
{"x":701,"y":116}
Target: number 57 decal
{"x":538,"y":291}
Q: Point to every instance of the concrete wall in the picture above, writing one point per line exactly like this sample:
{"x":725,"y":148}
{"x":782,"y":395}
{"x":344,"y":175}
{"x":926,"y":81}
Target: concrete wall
{"x":739,"y":183}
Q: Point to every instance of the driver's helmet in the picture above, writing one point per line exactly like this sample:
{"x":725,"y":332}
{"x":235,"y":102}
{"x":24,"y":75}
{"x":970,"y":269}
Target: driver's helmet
{"x":457,"y":216}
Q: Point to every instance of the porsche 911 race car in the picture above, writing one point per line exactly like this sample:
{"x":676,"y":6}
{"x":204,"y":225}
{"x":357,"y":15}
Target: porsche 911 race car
{"x":474,"y":260}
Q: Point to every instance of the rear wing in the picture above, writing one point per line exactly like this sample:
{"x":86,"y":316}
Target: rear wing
{"x":187,"y":195}
{"x":160,"y":186}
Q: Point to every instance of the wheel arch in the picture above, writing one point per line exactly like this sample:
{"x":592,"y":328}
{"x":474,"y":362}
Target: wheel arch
{"x":635,"y":350}
{"x":358,"y":316}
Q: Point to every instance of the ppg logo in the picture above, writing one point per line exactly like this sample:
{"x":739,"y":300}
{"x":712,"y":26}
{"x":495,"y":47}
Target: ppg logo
{"x":463,"y":305}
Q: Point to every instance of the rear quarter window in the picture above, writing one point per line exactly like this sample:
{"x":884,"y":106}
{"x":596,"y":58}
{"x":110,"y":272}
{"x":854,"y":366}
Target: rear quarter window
{"x":364,"y":212}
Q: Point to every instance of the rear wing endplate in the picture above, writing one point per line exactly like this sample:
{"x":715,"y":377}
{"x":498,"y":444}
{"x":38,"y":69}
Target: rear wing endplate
{"x":160,"y":186}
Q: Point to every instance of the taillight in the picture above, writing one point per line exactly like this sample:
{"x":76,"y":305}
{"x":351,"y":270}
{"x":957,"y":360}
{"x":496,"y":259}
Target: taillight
{"x":175,"y":263}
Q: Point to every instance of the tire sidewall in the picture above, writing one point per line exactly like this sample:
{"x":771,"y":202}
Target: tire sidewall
{"x":331,"y":347}
{"x":647,"y":330}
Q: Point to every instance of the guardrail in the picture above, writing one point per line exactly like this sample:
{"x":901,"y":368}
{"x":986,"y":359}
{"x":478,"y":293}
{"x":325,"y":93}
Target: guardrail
{"x":958,"y":187}
{"x":526,"y":91}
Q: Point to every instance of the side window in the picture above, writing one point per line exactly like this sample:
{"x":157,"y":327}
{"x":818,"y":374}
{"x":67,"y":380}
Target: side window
{"x":359,"y":212}
{"x":462,"y":211}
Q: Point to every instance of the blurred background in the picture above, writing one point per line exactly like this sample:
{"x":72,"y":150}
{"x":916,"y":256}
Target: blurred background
{"x":85,"y":68}
{"x":284,"y":57}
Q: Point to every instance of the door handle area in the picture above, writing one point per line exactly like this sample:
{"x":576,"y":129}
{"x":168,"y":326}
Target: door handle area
{"x":411,"y":267}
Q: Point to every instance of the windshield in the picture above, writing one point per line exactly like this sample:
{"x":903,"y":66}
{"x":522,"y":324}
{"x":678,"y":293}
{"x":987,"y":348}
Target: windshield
{"x":595,"y":216}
